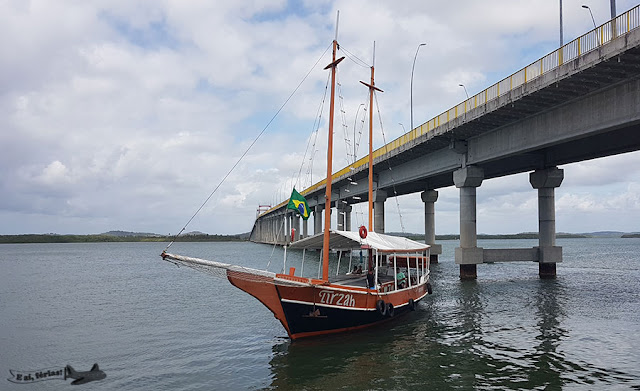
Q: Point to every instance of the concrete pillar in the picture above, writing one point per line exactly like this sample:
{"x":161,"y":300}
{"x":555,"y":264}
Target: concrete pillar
{"x":347,"y":217}
{"x":317,"y":219}
{"x":296,"y":226}
{"x":341,"y":215}
{"x":287,"y":228}
{"x":379,"y":197}
{"x":305,"y":228}
{"x":429,"y":198}
{"x":468,"y":255}
{"x":548,"y":253}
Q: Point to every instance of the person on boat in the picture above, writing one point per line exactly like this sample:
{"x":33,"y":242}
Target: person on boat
{"x":371,"y":283}
{"x":355,"y":270}
{"x":359,"y":271}
{"x":402,"y":280}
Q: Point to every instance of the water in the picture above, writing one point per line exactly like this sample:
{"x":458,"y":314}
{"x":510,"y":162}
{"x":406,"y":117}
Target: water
{"x":153,"y":326}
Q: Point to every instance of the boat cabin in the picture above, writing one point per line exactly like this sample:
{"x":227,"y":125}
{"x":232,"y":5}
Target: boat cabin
{"x":379,"y":262}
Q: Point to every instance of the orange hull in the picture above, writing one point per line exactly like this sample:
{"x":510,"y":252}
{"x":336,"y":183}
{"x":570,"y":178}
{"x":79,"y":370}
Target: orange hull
{"x":322,"y":308}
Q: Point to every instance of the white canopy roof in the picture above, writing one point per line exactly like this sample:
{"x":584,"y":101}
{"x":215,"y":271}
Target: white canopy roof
{"x":345,"y":240}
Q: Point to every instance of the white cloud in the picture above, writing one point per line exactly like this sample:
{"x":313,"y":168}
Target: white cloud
{"x":126,"y":114}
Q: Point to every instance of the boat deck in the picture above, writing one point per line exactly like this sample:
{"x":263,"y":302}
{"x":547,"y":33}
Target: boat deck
{"x":356,"y":280}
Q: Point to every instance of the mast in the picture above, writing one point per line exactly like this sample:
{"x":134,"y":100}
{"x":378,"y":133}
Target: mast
{"x":327,"y":196}
{"x":372,"y":88}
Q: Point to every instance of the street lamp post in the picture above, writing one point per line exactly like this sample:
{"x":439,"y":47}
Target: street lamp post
{"x":465,"y":90}
{"x":561,"y":39}
{"x":595,"y":28}
{"x":465,"y":102}
{"x":412,"y":68}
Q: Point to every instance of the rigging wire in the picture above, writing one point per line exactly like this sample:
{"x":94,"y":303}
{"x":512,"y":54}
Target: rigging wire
{"x":248,"y":148}
{"x":355,"y":58}
{"x":316,"y":127}
{"x":393,"y":181}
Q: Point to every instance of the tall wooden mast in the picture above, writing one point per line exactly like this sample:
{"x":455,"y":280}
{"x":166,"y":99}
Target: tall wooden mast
{"x":327,"y":196}
{"x":372,"y":88}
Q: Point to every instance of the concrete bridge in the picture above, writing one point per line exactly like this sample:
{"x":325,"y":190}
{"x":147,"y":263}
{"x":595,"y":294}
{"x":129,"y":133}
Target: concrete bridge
{"x":579,"y":102}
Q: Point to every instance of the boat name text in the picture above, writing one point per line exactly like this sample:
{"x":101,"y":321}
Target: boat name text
{"x":335,"y":298}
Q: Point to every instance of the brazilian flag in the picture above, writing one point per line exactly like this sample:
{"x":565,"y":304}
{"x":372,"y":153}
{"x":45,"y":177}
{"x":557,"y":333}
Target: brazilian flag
{"x":299,"y":203}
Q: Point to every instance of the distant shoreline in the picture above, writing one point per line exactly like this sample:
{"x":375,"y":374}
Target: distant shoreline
{"x":105,"y":238}
{"x":102,"y":238}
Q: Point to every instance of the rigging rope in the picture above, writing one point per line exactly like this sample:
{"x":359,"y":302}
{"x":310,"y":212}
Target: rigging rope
{"x":355,"y":58}
{"x":248,"y":148}
{"x":316,"y":126}
{"x":393,"y":181}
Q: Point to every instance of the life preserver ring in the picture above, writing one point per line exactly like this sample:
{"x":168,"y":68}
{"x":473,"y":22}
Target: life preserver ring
{"x":390,"y":310}
{"x":381,"y":307}
{"x":363,"y":232}
{"x":412,"y":305}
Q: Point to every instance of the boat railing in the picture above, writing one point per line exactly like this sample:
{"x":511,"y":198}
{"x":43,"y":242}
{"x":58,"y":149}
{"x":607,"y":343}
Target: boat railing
{"x":393,"y":271}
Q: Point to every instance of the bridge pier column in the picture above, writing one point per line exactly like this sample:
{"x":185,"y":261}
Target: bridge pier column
{"x":379,"y":197}
{"x":305,"y":228}
{"x":287,"y":231}
{"x":549,"y":254}
{"x":296,"y":227}
{"x":317,"y":219}
{"x":468,"y":255}
{"x":429,"y":197}
{"x":341,"y":214}
{"x":347,"y":217}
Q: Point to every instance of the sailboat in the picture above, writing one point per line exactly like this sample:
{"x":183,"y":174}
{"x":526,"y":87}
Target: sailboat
{"x":396,"y":277}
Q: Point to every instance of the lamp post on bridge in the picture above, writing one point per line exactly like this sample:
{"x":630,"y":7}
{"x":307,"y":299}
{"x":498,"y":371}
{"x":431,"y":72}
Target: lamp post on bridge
{"x":595,"y":28}
{"x":561,"y":40}
{"x":465,"y":90}
{"x":412,"y":68}
{"x":465,"y":102}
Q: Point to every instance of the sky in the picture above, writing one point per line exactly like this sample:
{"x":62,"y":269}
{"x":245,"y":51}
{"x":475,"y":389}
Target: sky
{"x":126,"y":115}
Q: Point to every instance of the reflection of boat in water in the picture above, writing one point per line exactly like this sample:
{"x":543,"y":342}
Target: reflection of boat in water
{"x":395,"y":279}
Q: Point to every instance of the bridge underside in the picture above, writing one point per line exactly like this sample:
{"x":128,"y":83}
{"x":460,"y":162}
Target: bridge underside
{"x":584,"y":109}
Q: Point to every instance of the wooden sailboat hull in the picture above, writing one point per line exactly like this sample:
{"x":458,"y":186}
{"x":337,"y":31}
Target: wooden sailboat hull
{"x":307,"y":311}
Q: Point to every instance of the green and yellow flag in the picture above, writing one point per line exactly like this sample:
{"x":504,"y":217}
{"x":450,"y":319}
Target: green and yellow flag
{"x":299,"y":203}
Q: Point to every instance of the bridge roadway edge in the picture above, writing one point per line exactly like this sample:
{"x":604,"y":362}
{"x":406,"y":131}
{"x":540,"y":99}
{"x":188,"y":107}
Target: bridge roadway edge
{"x":585,"y":109}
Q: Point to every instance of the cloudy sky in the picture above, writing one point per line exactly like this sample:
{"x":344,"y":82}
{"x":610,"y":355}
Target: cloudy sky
{"x":126,"y":115}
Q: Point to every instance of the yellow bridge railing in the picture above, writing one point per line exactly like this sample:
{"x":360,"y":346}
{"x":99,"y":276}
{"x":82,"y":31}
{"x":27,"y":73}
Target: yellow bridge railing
{"x":595,"y":38}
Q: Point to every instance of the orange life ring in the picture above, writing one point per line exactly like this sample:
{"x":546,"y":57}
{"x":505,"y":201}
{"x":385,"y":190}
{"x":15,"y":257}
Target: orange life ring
{"x":363,"y":232}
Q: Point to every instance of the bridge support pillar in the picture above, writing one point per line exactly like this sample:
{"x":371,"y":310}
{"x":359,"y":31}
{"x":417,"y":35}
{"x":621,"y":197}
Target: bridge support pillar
{"x":296,"y":227}
{"x":341,"y":215}
{"x":429,"y":198}
{"x":379,"y":197}
{"x":305,"y":228}
{"x":287,"y":231}
{"x":344,"y":216}
{"x":317,"y":219}
{"x":468,"y":255}
{"x":347,"y":217}
{"x":548,"y":253}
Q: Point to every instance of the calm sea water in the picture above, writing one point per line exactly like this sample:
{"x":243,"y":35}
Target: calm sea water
{"x":153,"y":326}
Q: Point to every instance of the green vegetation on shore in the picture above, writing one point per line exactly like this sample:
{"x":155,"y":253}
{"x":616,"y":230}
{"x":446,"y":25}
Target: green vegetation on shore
{"x":54,"y":238}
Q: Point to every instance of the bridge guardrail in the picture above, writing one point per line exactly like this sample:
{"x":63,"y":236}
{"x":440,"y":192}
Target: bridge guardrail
{"x":592,"y":40}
